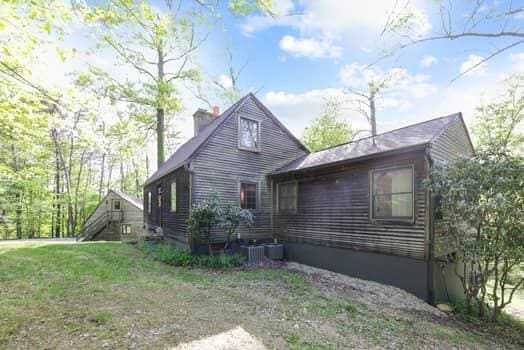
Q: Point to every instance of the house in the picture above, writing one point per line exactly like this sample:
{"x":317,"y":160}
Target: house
{"x":358,"y":208}
{"x":118,"y":215}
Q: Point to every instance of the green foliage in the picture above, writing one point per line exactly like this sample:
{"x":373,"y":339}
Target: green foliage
{"x":210,"y":214}
{"x":327,"y":130}
{"x":500,"y":124}
{"x":179,"y":257}
{"x":230,"y":217}
{"x":483,"y":206}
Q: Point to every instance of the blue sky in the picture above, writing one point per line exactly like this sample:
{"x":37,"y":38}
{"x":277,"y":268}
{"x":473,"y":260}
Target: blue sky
{"x":297,"y":61}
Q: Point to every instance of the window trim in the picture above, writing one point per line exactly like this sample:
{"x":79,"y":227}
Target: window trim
{"x":149,"y":202}
{"x":293,"y":211}
{"x":239,"y":133}
{"x":122,"y":229}
{"x":113,"y":201}
{"x":257,"y":193}
{"x":171,"y":196}
{"x":406,"y":219}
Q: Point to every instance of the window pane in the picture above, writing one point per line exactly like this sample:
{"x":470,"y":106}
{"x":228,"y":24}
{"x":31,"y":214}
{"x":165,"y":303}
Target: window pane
{"x":173,"y":196}
{"x":248,"y":133}
{"x":401,"y":205}
{"x":248,"y":195}
{"x":393,"y":193}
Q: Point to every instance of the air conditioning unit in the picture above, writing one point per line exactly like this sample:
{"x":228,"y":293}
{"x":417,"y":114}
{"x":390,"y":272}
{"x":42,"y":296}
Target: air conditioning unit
{"x":274,"y":251}
{"x":253,"y":254}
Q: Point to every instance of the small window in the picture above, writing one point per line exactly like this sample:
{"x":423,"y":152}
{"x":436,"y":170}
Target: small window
{"x":126,"y":229}
{"x":149,"y":202}
{"x":287,"y":196}
{"x":392,"y":194}
{"x":173,"y":196}
{"x":116,"y":204}
{"x":248,"y":195}
{"x":249,"y":134}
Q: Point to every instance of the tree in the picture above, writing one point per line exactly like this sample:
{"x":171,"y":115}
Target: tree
{"x":204,"y":216}
{"x":496,"y":21}
{"x":157,"y":44}
{"x":483,"y":203}
{"x":230,"y":217}
{"x":500,"y":124}
{"x":327,"y":130}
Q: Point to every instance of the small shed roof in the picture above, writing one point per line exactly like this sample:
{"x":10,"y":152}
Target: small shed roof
{"x":410,"y":136}
{"x":137,"y":202}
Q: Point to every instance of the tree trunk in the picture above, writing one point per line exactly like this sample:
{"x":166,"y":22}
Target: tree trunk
{"x":160,"y":136}
{"x":122,"y":185}
{"x":372,"y":116}
{"x":101,"y":185}
{"x":58,"y":216}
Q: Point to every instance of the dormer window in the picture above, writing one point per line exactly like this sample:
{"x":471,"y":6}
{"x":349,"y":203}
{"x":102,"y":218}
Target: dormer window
{"x":249,"y":134}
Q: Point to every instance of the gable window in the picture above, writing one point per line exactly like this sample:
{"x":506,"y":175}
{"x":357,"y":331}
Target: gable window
{"x":149,"y":202}
{"x":392,"y":194}
{"x":287,"y":196}
{"x":249,"y":134}
{"x":116,"y":204}
{"x":173,"y":196}
{"x":126,"y":229}
{"x":248,"y":195}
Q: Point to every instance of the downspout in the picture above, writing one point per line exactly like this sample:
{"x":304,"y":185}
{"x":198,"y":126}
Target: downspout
{"x":189,"y":169}
{"x":431,"y":235}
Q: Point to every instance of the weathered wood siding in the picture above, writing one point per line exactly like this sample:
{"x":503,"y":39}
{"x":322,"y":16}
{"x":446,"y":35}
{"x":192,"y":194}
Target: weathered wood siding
{"x":128,"y":214}
{"x":452,"y":143}
{"x":220,"y":165}
{"x":333,"y":209}
{"x":174,"y":224}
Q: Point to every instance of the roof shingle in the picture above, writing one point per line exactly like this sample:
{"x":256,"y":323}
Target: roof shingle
{"x":409,"y":136}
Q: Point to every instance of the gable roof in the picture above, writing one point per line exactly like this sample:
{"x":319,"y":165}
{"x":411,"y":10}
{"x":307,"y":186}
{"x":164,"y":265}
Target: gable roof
{"x":137,"y":202}
{"x":414,"y":135}
{"x":189,"y":148}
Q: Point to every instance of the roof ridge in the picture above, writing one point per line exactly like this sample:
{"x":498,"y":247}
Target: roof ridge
{"x":390,"y":131}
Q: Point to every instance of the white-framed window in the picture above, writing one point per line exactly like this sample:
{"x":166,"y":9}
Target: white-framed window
{"x":392,"y":194}
{"x":126,"y":229}
{"x":173,"y":196}
{"x":248,"y":195}
{"x":149,"y":202}
{"x":249,"y":134}
{"x":116,"y":204}
{"x":159,"y":196}
{"x":287,"y":196}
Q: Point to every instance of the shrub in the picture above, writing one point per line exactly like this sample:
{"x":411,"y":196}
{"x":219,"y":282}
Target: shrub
{"x":179,"y":257}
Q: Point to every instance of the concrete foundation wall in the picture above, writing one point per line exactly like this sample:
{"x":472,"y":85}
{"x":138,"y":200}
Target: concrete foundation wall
{"x":446,"y":283}
{"x":406,"y":273}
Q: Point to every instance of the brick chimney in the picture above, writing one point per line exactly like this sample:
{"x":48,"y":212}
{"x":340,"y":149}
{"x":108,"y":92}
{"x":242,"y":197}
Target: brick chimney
{"x":202,"y":118}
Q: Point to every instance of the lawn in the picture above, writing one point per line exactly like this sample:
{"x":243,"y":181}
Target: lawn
{"x":111,"y":295}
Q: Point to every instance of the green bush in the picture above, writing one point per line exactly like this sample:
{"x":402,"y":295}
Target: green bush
{"x":179,"y":257}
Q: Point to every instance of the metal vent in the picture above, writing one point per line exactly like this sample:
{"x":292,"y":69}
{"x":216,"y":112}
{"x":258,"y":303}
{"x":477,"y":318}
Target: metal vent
{"x":253,"y":254}
{"x":274,"y":251}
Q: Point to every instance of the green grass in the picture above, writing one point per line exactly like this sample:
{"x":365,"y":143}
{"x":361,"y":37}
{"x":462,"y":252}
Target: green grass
{"x":113,"y":295}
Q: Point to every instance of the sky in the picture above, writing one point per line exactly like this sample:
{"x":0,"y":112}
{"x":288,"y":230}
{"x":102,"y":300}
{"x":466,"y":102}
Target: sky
{"x":312,"y":50}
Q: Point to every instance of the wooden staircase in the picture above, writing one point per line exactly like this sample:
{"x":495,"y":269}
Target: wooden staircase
{"x":102,"y":223}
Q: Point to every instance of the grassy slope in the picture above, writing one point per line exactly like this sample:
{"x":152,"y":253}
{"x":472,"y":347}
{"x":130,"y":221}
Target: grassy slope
{"x":110,"y":295}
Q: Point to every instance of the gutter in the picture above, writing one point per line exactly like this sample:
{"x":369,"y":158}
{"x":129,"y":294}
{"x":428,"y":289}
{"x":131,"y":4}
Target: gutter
{"x":419,"y":146}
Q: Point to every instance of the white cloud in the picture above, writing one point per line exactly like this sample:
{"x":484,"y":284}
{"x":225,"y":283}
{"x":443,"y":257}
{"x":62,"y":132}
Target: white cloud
{"x":428,"y":61}
{"x":311,"y":48}
{"x":401,"y":83}
{"x":517,"y":60}
{"x":467,"y":66}
{"x":334,"y":17}
{"x":225,"y":81}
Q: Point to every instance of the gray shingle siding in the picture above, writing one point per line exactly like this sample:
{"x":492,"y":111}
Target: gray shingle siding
{"x":220,"y":165}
